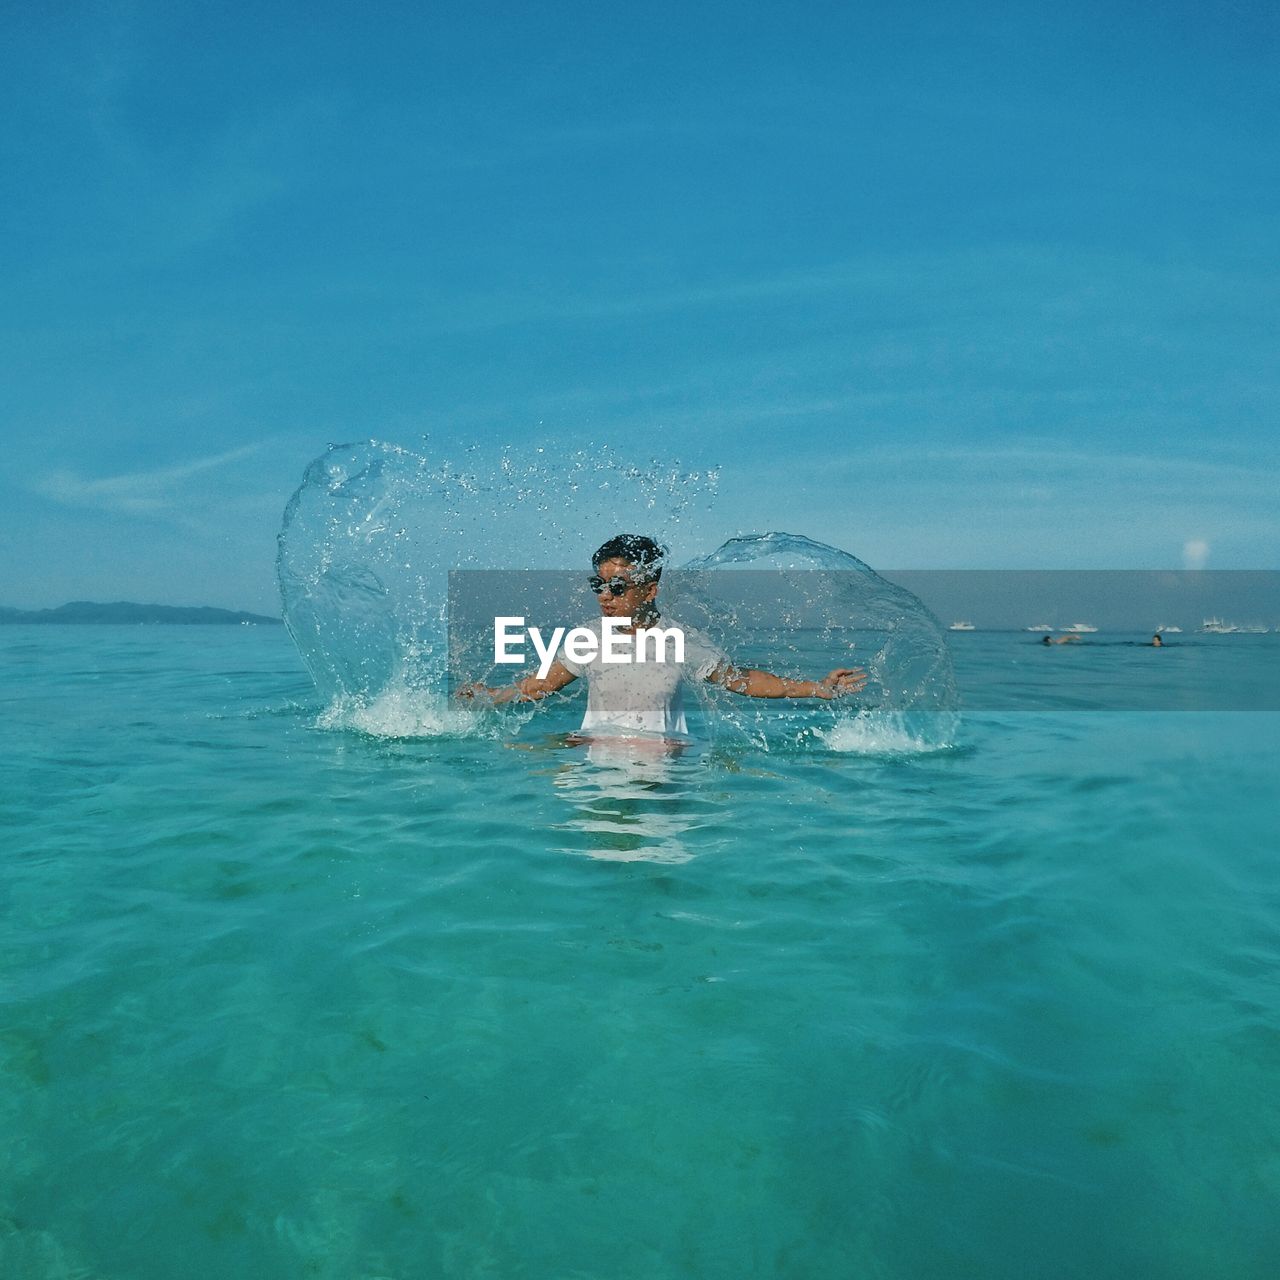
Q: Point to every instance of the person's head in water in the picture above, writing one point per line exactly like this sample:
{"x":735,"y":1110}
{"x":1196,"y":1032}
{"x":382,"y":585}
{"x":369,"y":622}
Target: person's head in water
{"x":1157,"y":641}
{"x":627,"y":569}
{"x":1046,"y":640}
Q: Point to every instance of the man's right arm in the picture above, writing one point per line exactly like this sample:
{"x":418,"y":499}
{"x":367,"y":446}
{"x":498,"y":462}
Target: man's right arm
{"x":526,"y":689}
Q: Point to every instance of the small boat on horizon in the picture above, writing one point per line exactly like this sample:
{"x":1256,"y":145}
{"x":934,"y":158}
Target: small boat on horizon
{"x":1040,"y":626}
{"x":1216,"y":627}
{"x":962,"y":626}
{"x":1080,"y":629}
{"x":1168,"y":631}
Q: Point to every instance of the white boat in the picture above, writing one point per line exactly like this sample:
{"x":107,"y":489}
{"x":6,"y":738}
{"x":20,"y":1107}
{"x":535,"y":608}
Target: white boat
{"x":1040,"y":626}
{"x":1168,"y":631}
{"x":1080,"y":629}
{"x":1216,"y":627}
{"x":962,"y":626}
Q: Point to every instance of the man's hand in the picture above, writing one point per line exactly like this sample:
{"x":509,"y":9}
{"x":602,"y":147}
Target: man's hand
{"x":474,"y":691}
{"x":840,"y":683}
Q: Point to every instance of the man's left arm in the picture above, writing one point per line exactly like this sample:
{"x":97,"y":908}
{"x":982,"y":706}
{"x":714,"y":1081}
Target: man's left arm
{"x":753,"y":683}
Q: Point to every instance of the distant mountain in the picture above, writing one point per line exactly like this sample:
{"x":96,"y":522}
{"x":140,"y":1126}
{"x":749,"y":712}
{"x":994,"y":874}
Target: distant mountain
{"x":123,"y":611}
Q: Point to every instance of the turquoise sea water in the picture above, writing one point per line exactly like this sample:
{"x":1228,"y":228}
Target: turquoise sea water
{"x":286,"y":1001}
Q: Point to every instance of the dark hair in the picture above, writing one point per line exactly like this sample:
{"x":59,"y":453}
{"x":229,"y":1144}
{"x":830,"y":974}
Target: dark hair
{"x":636,"y":549}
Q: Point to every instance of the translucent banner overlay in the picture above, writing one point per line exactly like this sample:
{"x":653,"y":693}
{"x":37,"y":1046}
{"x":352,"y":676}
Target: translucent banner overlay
{"x":935,"y":640}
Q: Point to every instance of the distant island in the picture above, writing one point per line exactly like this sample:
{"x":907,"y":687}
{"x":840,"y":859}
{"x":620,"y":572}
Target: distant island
{"x":125,"y":612}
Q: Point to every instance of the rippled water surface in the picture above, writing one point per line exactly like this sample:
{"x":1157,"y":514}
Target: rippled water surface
{"x":284,"y":1001}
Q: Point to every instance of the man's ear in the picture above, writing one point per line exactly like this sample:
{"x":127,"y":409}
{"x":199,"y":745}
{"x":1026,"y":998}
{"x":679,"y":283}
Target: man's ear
{"x":651,"y":592}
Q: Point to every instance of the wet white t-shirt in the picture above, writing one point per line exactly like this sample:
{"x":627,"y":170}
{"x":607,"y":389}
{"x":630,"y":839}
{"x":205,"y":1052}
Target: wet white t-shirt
{"x":642,"y":696}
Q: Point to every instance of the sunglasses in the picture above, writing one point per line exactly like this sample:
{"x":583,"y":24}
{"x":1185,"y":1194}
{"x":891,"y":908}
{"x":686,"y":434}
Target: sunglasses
{"x":614,"y":586}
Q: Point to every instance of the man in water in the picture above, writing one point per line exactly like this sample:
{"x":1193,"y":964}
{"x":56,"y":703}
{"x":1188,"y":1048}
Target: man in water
{"x":645,"y":696}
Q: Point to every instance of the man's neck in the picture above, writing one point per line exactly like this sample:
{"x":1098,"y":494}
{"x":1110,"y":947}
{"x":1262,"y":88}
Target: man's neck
{"x":646,"y":619}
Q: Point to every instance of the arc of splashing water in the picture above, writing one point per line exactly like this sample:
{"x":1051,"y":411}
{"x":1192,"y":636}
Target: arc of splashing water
{"x":368,"y":537}
{"x":911,"y":702}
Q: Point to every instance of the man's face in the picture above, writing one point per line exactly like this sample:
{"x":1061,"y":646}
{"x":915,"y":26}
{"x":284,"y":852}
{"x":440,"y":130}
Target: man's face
{"x":630,"y":601}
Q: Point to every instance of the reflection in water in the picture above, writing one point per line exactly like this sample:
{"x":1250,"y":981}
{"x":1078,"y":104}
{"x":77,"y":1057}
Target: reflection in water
{"x":632,"y":799}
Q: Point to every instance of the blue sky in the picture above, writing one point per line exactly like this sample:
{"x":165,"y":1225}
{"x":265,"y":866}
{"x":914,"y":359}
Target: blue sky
{"x":946,"y":285}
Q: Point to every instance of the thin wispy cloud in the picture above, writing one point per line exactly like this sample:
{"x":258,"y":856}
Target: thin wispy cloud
{"x":1048,"y":460}
{"x":1044,"y":506}
{"x":1059,"y":285}
{"x":153,"y":492}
